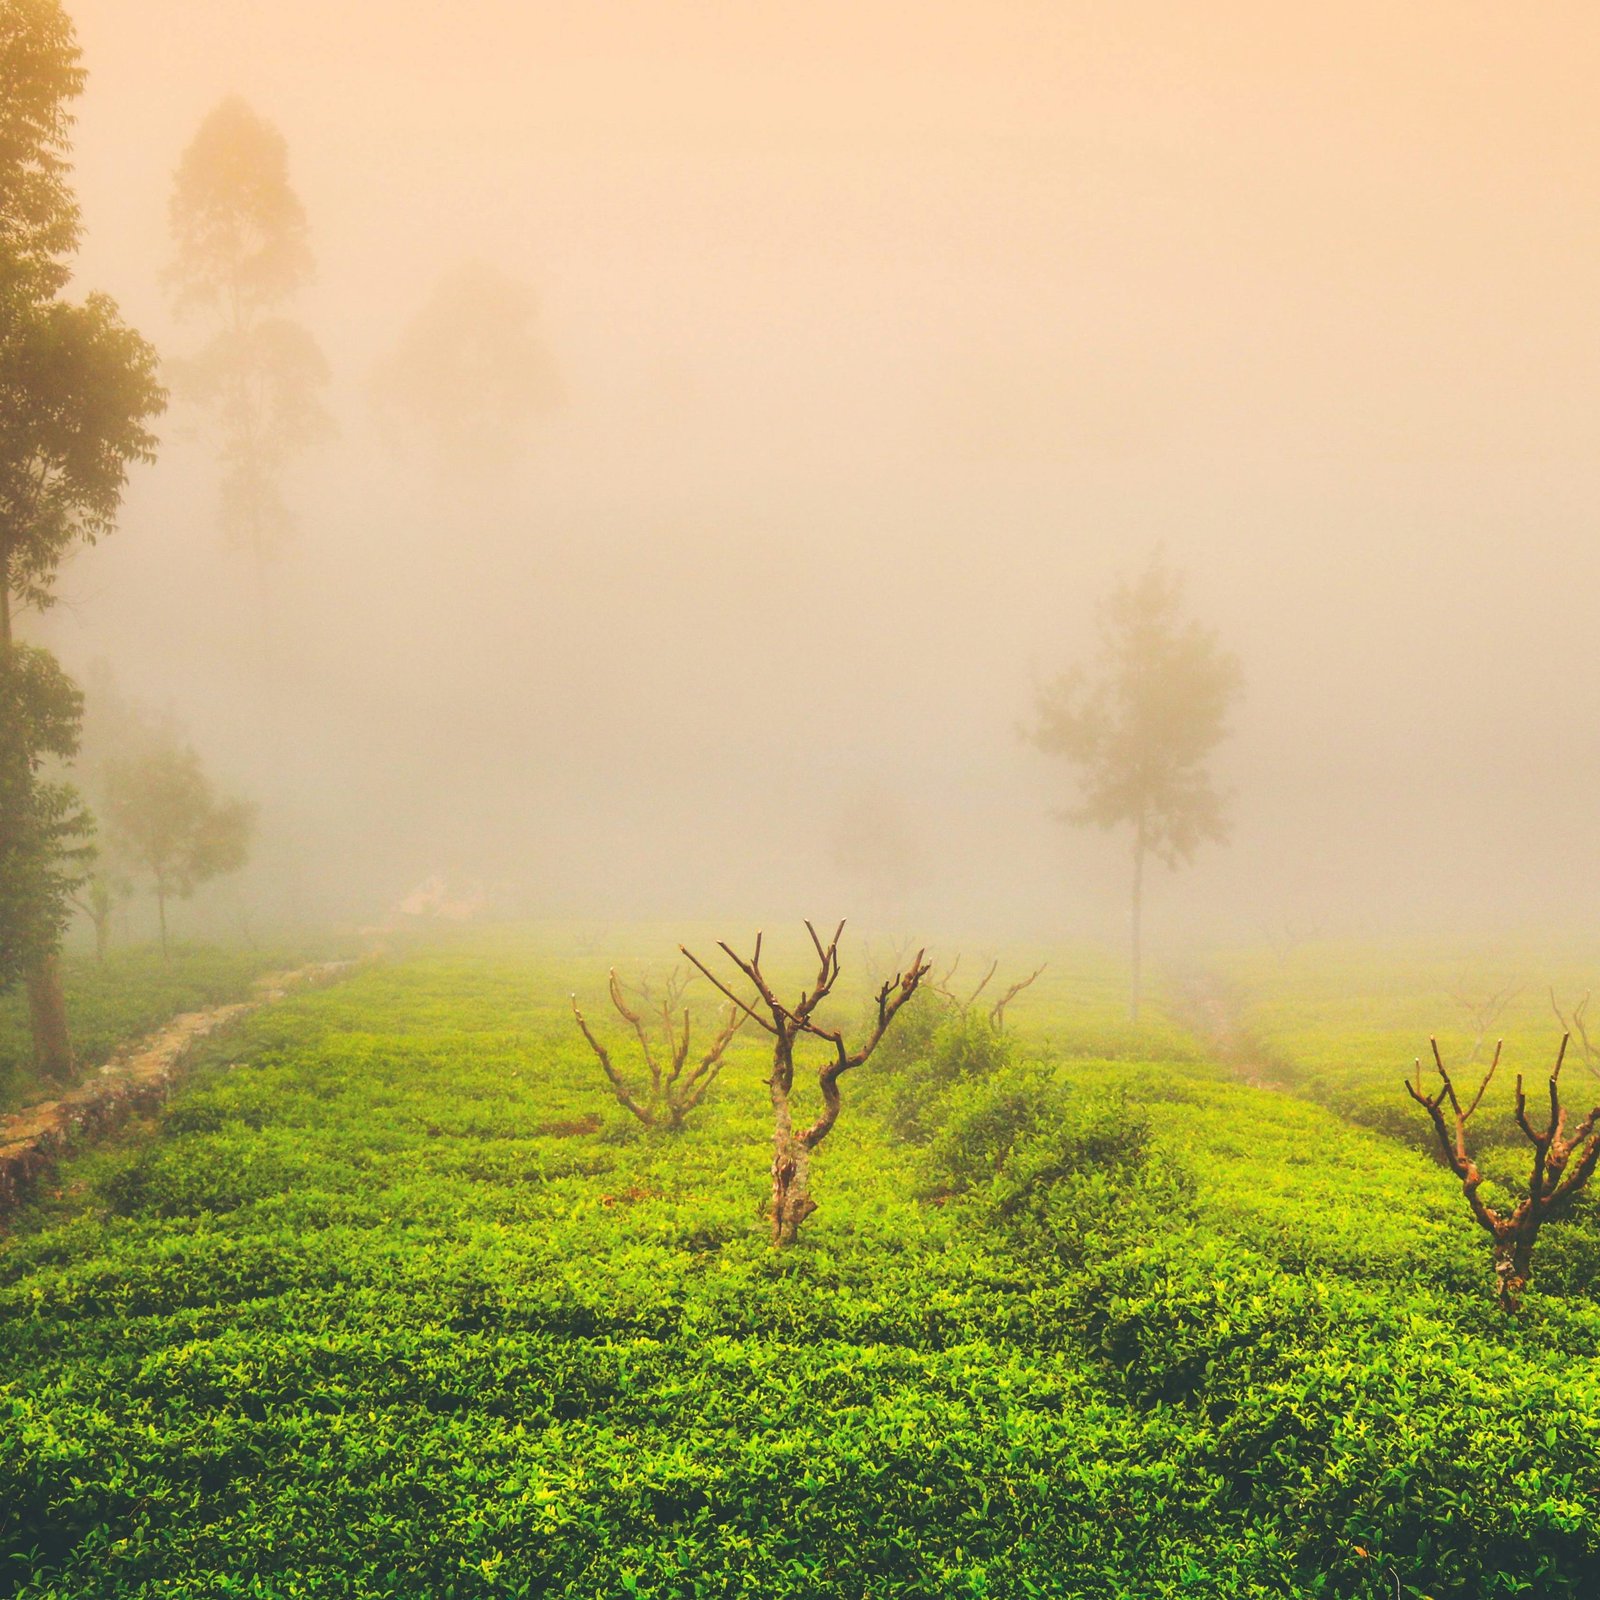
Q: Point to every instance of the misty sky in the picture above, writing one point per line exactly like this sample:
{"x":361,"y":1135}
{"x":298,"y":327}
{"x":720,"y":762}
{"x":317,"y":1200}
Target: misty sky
{"x":890,"y":336}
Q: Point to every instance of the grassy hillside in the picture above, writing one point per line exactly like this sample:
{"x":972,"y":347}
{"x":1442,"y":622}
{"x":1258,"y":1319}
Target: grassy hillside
{"x":370,"y":1313}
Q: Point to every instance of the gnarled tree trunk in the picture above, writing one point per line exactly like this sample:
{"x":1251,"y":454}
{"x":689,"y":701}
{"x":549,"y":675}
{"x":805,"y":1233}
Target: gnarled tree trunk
{"x":47,"y":1011}
{"x":791,"y":1171}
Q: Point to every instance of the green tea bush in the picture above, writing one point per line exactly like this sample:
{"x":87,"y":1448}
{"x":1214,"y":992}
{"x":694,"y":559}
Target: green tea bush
{"x":1024,"y":1123}
{"x":1052,"y":1166}
{"x":961,"y":1047}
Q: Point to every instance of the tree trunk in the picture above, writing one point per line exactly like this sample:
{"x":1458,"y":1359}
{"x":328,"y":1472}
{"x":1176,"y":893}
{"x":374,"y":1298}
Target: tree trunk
{"x":791,"y":1159}
{"x":161,"y":912}
{"x":1136,"y":927}
{"x":791,"y":1187}
{"x":102,"y":937}
{"x":47,"y":1010}
{"x":1513,"y":1265}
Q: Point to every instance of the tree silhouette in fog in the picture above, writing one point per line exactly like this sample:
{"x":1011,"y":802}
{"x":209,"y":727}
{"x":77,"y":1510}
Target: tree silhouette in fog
{"x":164,"y":817}
{"x":1138,"y":726}
{"x":469,"y":375}
{"x":241,"y":254}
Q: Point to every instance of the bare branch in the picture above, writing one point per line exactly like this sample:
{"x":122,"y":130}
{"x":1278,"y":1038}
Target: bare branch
{"x":670,"y":1097}
{"x":1498,"y":1044}
{"x":1553,"y":1182}
{"x":633,"y":1019}
{"x":983,"y":983}
{"x":618,"y":1087}
{"x":997,"y":1012}
{"x":727,"y":992}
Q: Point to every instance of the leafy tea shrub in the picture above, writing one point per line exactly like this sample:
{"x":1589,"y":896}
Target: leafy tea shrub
{"x":961,"y":1048}
{"x":1050,"y":1164}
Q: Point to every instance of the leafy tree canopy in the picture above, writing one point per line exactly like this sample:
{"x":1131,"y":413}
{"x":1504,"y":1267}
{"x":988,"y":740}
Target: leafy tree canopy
{"x":241,"y":250}
{"x":470,"y":372}
{"x":77,"y":390}
{"x":39,"y":77}
{"x":163,"y":812}
{"x":1139,"y":724}
{"x":239,"y":227}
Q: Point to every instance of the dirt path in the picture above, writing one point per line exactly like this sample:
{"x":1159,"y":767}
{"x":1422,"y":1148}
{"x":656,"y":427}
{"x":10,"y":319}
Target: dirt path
{"x":136,"y":1079}
{"x":1206,"y":1004}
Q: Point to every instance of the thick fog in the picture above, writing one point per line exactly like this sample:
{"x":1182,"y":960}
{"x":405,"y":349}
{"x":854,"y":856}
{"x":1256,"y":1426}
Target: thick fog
{"x":880,"y":342}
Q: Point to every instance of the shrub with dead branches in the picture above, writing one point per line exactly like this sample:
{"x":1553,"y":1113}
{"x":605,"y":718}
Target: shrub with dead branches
{"x":995,"y":1012}
{"x":948,"y":1037}
{"x":1562,"y":1164}
{"x":1575,"y":1024}
{"x":1483,"y":1010}
{"x":674,"y":1088}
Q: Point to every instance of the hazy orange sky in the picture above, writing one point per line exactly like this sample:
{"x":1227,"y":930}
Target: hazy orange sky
{"x":930,"y":320}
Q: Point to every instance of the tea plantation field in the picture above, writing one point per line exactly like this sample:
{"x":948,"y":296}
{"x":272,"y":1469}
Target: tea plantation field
{"x":1342,"y":1023}
{"x":393,"y":1301}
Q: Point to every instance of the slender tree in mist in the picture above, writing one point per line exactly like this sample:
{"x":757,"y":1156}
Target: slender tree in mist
{"x":98,"y":897}
{"x":470,"y":374}
{"x":241,"y":254}
{"x":1138,"y":726}
{"x":78,"y":389}
{"x":163,"y":815}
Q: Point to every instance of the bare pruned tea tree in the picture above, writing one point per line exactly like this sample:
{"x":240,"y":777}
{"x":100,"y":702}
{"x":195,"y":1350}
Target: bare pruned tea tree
{"x":792,"y":1146}
{"x":1562,"y":1164}
{"x":674,"y":1088}
{"x":1576,"y":1024}
{"x":1484,"y":1010}
{"x":998,"y":999}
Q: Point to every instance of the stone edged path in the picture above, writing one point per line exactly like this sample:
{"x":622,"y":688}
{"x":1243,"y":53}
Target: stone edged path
{"x":138,"y":1078}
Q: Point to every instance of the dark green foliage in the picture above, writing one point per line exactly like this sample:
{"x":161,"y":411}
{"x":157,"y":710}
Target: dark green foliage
{"x":1027,"y":1119}
{"x":359,"y":1323}
{"x":44,"y":831}
{"x":77,"y":388}
{"x":40,"y":76}
{"x":77,"y":391}
{"x":1053,"y":1165}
